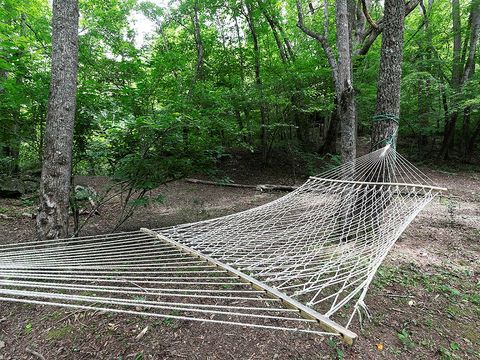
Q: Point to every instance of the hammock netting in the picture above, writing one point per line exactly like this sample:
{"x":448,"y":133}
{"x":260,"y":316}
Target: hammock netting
{"x":303,"y":260}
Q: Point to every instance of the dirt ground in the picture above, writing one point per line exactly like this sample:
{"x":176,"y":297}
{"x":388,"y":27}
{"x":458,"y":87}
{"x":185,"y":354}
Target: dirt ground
{"x":425,"y":300}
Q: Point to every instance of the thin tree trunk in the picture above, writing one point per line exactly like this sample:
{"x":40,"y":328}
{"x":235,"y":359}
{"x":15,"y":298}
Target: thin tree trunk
{"x":449,"y":130}
{"x":240,"y":50}
{"x":52,"y":219}
{"x":199,"y":43}
{"x":385,"y":126}
{"x":273,"y":27}
{"x":259,"y":84}
{"x":424,"y":87}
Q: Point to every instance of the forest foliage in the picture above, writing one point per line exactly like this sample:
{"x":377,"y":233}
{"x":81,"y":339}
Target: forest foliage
{"x":218,"y":75}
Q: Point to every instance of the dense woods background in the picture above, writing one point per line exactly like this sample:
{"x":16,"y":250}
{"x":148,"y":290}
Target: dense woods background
{"x":219,"y":76}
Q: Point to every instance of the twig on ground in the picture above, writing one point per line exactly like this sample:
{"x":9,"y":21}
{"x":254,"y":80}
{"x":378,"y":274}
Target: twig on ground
{"x":70,"y":314}
{"x":142,"y":333}
{"x":34,"y":353}
{"x":399,"y":296}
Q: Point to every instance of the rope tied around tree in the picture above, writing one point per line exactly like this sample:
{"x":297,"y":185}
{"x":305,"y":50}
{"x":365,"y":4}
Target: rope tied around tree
{"x":386,"y":117}
{"x":391,"y":139}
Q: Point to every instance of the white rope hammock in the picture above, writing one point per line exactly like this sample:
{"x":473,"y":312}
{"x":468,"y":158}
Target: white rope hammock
{"x":291,"y":264}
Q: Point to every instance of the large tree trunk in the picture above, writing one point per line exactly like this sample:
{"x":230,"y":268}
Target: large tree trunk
{"x":345,"y":95}
{"x":385,"y":125}
{"x":52,"y":219}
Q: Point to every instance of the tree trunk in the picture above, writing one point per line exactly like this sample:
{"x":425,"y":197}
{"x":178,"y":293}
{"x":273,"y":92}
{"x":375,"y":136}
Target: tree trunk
{"x":259,"y":84}
{"x":471,"y":143}
{"x":330,"y":143}
{"x":469,"y":72}
{"x":376,"y":28}
{"x":341,"y":73}
{"x":460,"y":73}
{"x":473,"y":41}
{"x":385,"y":125}
{"x":449,"y":130}
{"x":240,"y":50}
{"x":199,"y":43}
{"x":52,"y":219}
{"x":273,"y":27}
{"x":345,"y":95}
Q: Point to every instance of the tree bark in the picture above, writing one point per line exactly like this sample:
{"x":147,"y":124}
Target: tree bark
{"x":345,"y":94}
{"x":385,"y":126}
{"x":52,"y":219}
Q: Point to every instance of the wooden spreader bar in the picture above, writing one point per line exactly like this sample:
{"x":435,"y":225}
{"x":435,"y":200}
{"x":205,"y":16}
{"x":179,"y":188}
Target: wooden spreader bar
{"x":324,"y":322}
{"x":379,"y":183}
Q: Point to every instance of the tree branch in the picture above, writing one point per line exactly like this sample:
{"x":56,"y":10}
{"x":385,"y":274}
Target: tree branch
{"x":367,"y":15}
{"x":372,"y":33}
{"x":319,"y":37}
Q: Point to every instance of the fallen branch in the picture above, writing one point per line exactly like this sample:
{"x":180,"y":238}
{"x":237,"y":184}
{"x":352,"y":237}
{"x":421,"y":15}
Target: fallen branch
{"x":261,"y":187}
{"x":270,"y":187}
{"x":388,"y":294}
{"x":220,"y":183}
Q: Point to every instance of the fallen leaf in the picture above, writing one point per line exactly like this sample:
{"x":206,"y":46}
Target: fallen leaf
{"x":379,"y":346}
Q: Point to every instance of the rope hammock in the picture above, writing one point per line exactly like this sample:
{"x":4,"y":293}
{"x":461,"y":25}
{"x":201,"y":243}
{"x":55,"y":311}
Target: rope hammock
{"x":301,"y":263}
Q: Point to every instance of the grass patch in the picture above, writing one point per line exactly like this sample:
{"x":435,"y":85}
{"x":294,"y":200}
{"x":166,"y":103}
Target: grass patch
{"x":456,"y":287}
